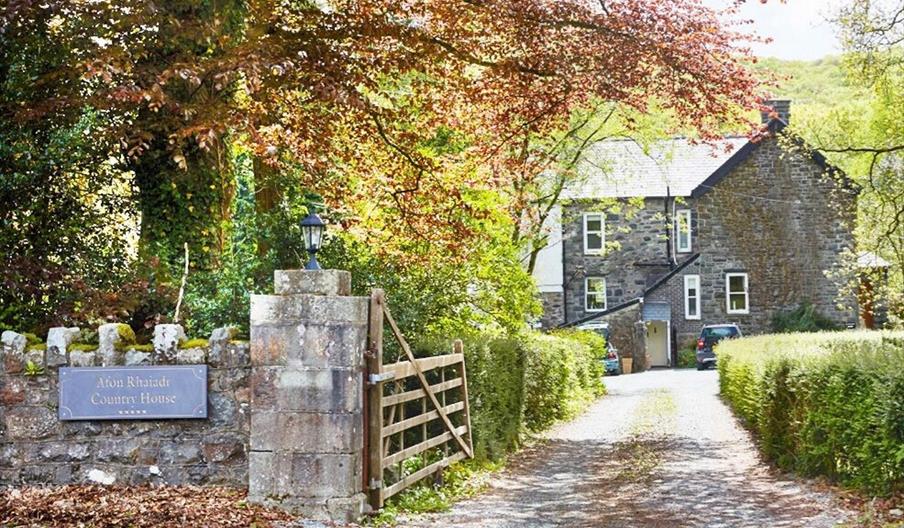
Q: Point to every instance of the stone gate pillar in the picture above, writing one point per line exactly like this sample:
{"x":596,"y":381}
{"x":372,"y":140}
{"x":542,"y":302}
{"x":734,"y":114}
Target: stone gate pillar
{"x":307,"y":429}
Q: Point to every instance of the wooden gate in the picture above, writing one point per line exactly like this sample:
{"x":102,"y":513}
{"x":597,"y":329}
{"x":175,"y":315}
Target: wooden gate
{"x":416,"y":413}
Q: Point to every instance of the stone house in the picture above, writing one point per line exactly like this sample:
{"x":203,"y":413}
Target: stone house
{"x":658,"y":242}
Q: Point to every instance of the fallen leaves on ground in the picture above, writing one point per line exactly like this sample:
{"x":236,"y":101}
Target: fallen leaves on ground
{"x":133,"y":507}
{"x":875,"y":512}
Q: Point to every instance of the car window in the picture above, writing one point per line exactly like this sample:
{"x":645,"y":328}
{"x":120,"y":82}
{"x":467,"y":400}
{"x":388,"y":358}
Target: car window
{"x":720,"y":331}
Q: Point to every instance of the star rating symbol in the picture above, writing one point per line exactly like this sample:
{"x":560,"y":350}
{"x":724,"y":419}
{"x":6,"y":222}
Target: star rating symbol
{"x":132,"y":411}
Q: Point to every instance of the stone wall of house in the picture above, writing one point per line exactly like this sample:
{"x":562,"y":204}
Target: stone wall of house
{"x":37,"y":448}
{"x":553,"y":309}
{"x":781,"y":220}
{"x":635,"y":243}
{"x":777,"y":217}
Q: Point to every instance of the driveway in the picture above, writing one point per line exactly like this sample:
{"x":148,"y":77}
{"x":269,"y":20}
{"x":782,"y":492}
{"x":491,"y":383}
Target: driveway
{"x":661,"y":450}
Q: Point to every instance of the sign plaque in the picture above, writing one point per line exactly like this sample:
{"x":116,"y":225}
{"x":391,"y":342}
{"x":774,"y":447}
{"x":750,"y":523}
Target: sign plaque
{"x":133,"y":393}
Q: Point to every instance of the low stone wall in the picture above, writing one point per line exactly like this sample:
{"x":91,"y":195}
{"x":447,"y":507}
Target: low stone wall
{"x":37,"y":448}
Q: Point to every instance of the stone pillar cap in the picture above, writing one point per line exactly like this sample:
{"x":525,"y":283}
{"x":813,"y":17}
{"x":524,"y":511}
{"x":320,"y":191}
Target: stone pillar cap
{"x":312,"y":282}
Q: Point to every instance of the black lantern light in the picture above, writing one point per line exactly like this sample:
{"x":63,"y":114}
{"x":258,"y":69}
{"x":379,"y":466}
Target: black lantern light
{"x":312,"y":227}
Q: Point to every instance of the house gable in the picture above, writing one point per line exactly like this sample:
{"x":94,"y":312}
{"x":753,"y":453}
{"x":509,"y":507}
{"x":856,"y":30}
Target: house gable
{"x":774,"y":127}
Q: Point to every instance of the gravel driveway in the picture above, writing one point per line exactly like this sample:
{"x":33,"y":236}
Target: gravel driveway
{"x":661,"y":450}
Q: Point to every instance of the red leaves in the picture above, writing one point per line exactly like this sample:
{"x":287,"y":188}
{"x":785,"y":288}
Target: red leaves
{"x":308,"y":81}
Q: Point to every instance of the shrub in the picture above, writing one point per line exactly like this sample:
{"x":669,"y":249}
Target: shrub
{"x":524,"y":383}
{"x":563,"y":375}
{"x":804,"y":318}
{"x":687,"y":357}
{"x":827,"y":404}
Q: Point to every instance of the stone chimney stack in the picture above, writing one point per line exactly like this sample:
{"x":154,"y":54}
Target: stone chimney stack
{"x":782,"y":107}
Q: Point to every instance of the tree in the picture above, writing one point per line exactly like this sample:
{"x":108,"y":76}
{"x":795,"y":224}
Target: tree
{"x":867,"y":137}
{"x":347,"y":91}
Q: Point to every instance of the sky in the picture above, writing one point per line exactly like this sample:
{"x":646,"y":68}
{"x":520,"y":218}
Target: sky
{"x":799,"y":28}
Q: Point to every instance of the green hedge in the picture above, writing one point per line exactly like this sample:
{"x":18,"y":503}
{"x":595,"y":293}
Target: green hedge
{"x":827,"y":404}
{"x":525,"y":383}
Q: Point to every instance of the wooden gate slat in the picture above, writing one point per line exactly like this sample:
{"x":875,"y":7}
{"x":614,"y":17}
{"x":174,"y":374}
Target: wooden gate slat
{"x":421,"y":473}
{"x":421,"y":447}
{"x":373,"y":469}
{"x":404,"y":369}
{"x":414,"y":394}
{"x":408,"y":423}
{"x":420,"y":374}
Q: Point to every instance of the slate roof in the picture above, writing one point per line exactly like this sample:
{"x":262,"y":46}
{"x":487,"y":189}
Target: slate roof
{"x":621,"y":168}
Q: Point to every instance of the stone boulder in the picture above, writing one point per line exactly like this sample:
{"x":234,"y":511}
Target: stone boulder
{"x":219,"y":342}
{"x":12,"y":349}
{"x":113,"y":338}
{"x":167,"y":338}
{"x":58,"y":341}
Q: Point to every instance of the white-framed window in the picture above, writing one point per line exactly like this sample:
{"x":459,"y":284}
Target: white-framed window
{"x":594,"y":233}
{"x":683,"y":230}
{"x":737,"y":297}
{"x":692,"y":296}
{"x":595,"y":294}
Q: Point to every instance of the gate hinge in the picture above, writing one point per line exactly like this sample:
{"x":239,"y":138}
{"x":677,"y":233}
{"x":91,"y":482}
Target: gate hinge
{"x":376,"y":379}
{"x":376,"y":484}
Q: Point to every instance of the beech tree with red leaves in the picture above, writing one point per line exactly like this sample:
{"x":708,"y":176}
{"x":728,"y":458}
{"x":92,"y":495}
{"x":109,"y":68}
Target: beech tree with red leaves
{"x":350,"y":92}
{"x":421,"y":125}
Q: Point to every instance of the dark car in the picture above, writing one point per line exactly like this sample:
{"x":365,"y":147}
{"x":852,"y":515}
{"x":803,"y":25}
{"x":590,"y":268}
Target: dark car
{"x":709,"y":336}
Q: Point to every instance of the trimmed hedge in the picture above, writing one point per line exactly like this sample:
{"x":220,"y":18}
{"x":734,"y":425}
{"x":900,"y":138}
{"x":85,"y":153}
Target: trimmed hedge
{"x":827,"y":404}
{"x":525,"y":383}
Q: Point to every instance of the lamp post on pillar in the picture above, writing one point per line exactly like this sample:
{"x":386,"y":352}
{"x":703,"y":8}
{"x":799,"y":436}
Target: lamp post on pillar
{"x":312,"y":228}
{"x":306,"y":446}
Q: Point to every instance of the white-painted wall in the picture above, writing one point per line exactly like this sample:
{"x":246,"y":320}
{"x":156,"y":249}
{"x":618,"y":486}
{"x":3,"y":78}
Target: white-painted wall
{"x":548,"y":269}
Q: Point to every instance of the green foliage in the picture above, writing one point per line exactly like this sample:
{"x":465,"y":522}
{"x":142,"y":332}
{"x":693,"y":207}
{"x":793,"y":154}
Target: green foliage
{"x":126,"y":334}
{"x":459,"y":481}
{"x":32,"y":339}
{"x":141,"y":348}
{"x":563,"y":375}
{"x":525,"y":383}
{"x":32,"y":369}
{"x":804,"y":318}
{"x":37,"y":346}
{"x":687,"y":357}
{"x":828,"y":404}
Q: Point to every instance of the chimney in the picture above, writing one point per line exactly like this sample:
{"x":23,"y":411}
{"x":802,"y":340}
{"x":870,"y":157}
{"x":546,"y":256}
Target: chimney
{"x":782,"y":107}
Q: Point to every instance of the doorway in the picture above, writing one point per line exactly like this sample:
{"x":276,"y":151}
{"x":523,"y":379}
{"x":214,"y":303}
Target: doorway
{"x":658,"y":343}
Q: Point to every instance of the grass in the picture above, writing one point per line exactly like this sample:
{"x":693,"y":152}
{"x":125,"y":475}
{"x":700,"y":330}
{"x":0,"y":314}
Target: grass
{"x":460,"y":481}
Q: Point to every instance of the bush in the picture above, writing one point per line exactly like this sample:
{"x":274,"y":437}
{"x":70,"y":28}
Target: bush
{"x":524,"y":383}
{"x":804,"y":318}
{"x":687,"y":358}
{"x":828,"y":404}
{"x":564,"y":373}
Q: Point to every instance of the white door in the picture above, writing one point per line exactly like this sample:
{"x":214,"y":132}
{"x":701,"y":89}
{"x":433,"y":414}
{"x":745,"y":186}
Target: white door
{"x":658,"y":343}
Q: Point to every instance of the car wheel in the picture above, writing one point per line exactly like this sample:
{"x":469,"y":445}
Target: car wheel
{"x":701,"y":366}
